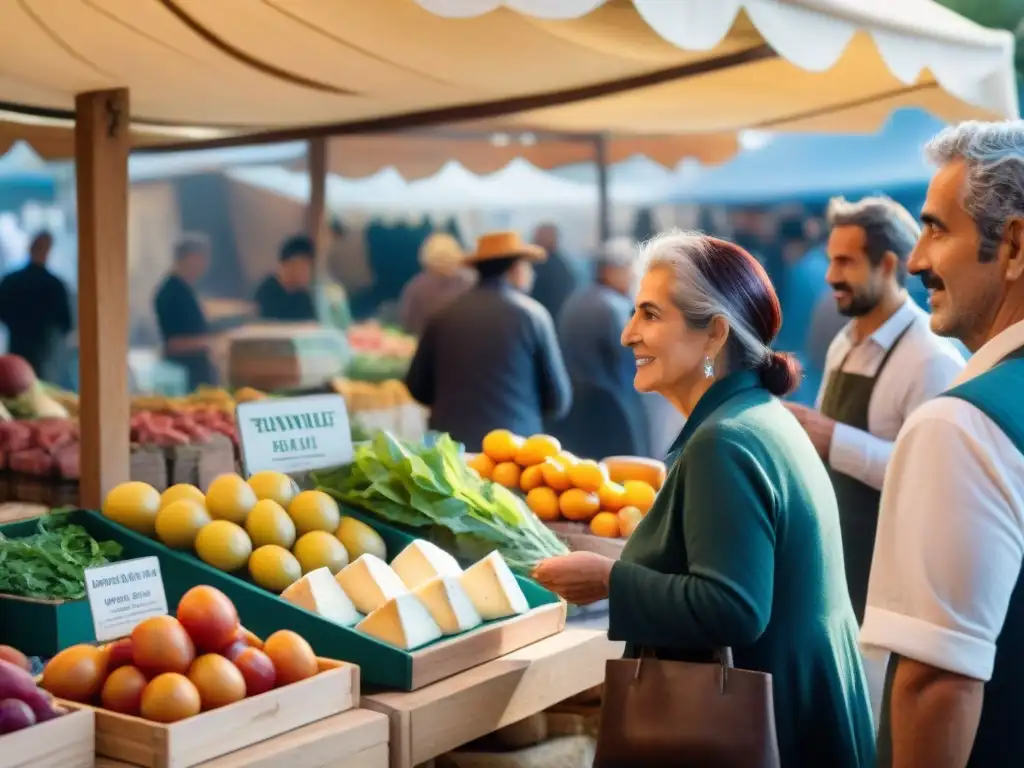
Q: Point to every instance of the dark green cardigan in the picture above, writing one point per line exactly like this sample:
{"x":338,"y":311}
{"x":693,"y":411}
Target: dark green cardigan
{"x":742,"y":549}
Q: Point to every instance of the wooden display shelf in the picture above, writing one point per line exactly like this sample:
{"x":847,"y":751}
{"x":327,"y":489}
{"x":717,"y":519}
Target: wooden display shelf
{"x":579,"y":539}
{"x":443,"y":716}
{"x":67,"y":741}
{"x":209,"y":735}
{"x":354,"y":739}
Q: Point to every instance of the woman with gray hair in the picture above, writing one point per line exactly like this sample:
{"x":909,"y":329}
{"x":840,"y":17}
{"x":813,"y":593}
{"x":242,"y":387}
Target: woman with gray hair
{"x":443,"y":278}
{"x":741,"y":548}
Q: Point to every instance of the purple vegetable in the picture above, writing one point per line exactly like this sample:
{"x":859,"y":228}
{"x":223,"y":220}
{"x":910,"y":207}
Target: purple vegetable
{"x":15,"y":714}
{"x":16,"y":683}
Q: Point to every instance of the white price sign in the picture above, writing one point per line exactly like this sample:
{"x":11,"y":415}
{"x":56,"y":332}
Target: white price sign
{"x":295,"y":434}
{"x":124,"y":594}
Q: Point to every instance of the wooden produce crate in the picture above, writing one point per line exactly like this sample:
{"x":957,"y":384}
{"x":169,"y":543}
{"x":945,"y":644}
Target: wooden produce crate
{"x":382,"y":664}
{"x":354,"y":739}
{"x":578,"y":538}
{"x":221,"y":731}
{"x":461,"y":709}
{"x":67,"y":741}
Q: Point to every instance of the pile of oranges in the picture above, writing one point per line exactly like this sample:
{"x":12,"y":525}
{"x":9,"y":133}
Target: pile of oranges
{"x":560,"y":486}
{"x":171,"y":668}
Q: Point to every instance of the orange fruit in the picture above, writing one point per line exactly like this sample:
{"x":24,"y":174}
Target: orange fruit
{"x":537,"y":448}
{"x":588,"y":475}
{"x":555,"y":474}
{"x":639,"y":494}
{"x":122,"y":692}
{"x":605,"y":524}
{"x":218,"y":681}
{"x":506,"y":473}
{"x":257,"y":669}
{"x":612,"y":496}
{"x":170,"y":697}
{"x":76,"y":673}
{"x":629,"y":518}
{"x":577,"y":504}
{"x":209,"y":617}
{"x":543,"y":502}
{"x":293,"y":657}
{"x":161,"y":644}
{"x":532,"y":477}
{"x":483,"y":464}
{"x":501,"y":445}
{"x":567,"y":459}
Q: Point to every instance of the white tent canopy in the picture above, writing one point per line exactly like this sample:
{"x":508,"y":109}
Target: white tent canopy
{"x":233,"y":67}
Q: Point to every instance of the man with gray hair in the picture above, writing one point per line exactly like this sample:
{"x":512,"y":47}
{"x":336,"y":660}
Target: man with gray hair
{"x":879,"y":368}
{"x":946,"y":597}
{"x":590,"y":328}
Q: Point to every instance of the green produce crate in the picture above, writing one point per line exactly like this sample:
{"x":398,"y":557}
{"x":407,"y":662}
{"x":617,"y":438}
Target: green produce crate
{"x":42,"y":627}
{"x":264,"y":612}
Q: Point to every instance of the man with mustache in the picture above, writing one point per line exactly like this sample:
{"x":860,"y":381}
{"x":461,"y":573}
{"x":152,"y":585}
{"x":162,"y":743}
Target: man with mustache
{"x":879,"y":368}
{"x":946,"y":596}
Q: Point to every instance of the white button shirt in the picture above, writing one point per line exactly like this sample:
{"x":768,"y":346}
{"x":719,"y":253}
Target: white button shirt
{"x":950,"y":536}
{"x":922,"y":366}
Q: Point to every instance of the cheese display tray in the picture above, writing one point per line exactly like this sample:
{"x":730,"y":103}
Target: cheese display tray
{"x":382,"y":665}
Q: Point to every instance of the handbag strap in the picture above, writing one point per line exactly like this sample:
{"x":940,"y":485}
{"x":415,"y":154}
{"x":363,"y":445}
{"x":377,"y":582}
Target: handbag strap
{"x":724,"y":655}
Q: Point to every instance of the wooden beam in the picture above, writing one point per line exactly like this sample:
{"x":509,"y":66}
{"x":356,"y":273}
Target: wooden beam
{"x":604,"y":208}
{"x":102,"y":143}
{"x":316,"y":212}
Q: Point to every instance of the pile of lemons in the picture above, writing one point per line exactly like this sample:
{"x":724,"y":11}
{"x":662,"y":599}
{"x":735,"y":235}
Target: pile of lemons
{"x":265,"y":523}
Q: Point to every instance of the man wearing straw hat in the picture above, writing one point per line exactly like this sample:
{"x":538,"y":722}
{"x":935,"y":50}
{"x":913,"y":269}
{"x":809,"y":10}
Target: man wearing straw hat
{"x":490,"y":359}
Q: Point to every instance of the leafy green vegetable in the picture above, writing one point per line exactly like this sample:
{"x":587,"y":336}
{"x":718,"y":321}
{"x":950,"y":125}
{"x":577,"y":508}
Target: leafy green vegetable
{"x":421,"y":486}
{"x":50,"y":564}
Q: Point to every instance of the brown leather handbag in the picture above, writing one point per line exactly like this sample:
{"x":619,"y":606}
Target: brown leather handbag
{"x":676,"y":713}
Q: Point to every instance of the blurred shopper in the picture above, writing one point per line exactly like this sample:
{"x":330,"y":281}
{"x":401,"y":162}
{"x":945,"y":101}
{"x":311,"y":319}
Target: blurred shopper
{"x":740,"y":548}
{"x":556,"y":279}
{"x":490,"y":359}
{"x":35,"y":307}
{"x":287,"y":295}
{"x":600,"y":367}
{"x":883,"y":365}
{"x":183,"y":326}
{"x":947,"y":589}
{"x":444,"y":277}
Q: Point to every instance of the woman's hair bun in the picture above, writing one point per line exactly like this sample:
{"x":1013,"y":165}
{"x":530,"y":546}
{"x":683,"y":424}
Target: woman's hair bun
{"x":781,"y":373}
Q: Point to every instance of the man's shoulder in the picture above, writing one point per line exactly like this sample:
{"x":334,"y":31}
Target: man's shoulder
{"x":947,"y":413}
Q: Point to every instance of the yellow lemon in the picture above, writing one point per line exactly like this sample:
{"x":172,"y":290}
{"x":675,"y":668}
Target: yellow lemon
{"x":229,"y":497}
{"x":181,"y":491}
{"x":314,"y":511}
{"x":179,"y":522}
{"x":359,"y":538}
{"x":275,"y":486}
{"x":588,"y":475}
{"x":319,"y":549}
{"x":274,"y":568}
{"x":268,"y":523}
{"x":133,"y":505}
{"x":224,"y":545}
{"x":536,"y":449}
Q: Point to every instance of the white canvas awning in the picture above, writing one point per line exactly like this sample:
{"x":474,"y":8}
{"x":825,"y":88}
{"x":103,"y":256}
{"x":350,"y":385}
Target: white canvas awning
{"x":196,"y":68}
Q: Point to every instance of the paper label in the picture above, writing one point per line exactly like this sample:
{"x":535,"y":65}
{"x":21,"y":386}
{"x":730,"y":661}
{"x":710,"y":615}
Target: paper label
{"x":122,"y":595}
{"x":295,"y":434}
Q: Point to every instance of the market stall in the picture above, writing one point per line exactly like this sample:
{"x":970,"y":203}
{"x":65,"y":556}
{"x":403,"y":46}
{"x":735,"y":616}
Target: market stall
{"x":825,"y":67}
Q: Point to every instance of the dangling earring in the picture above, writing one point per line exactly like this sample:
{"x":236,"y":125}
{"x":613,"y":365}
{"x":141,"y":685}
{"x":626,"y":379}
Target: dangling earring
{"x":709,"y":368}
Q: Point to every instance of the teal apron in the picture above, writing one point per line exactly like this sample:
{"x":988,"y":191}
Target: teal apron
{"x":1000,"y":739}
{"x":846,"y":400}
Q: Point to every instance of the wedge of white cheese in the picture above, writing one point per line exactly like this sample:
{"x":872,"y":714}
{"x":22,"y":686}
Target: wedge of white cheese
{"x":422,"y":561}
{"x":369,"y":582}
{"x":403,"y":621}
{"x":449,"y":604}
{"x":318,"y":592}
{"x":493,"y":588}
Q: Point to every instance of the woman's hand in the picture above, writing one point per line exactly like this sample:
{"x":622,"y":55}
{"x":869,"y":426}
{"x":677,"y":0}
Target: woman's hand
{"x":580,"y":578}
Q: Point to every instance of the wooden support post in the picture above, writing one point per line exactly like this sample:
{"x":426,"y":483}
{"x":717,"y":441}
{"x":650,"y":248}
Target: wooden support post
{"x":604,"y":208}
{"x":102,"y":143}
{"x":316,"y":213}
